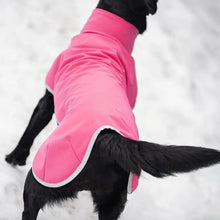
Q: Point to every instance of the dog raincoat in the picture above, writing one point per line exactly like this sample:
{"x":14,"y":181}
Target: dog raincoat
{"x":94,"y":88}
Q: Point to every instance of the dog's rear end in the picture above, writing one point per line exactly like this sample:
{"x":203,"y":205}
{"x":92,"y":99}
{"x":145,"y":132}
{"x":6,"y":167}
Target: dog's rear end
{"x":107,"y":170}
{"x":113,"y":157}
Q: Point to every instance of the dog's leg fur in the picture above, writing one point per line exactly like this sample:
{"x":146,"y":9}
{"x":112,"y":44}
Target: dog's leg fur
{"x":110,"y":189}
{"x":40,"y":118}
{"x":110,"y":206}
{"x":34,"y":198}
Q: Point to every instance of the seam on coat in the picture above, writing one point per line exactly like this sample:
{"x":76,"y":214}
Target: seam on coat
{"x":72,"y":148}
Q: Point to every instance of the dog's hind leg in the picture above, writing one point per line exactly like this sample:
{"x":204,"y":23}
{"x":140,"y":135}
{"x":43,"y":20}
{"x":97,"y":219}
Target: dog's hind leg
{"x":31,"y":207}
{"x":35,"y":197}
{"x":40,"y":118}
{"x":110,"y":206}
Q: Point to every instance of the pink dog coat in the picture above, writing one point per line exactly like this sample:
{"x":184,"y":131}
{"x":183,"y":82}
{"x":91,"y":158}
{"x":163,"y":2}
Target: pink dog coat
{"x":94,"y":87}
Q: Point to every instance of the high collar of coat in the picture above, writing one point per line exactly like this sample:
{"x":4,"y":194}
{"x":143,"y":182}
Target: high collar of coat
{"x":108,"y":24}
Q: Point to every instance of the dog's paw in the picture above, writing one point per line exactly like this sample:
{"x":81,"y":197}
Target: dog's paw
{"x":17,"y":157}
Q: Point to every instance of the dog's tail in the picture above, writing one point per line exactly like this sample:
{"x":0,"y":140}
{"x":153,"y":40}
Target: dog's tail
{"x":155,"y":159}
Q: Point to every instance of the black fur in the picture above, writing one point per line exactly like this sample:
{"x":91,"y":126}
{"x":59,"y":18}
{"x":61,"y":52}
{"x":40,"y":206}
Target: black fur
{"x":113,"y":157}
{"x":40,"y":118}
{"x":157,"y":160}
{"x":133,"y":11}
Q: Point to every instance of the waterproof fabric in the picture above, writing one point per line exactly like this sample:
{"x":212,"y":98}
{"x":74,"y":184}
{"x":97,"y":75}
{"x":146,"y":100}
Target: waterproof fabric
{"x":94,"y":87}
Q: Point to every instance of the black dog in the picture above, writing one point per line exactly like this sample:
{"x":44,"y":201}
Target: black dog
{"x":113,"y":156}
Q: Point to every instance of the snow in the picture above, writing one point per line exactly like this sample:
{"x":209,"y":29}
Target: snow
{"x":178,"y":70}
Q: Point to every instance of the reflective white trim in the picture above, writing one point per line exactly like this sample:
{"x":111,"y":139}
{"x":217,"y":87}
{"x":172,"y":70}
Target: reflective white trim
{"x":129,"y":187}
{"x":83,"y":163}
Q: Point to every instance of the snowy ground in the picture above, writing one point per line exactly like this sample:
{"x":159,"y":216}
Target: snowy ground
{"x":178,"y":68}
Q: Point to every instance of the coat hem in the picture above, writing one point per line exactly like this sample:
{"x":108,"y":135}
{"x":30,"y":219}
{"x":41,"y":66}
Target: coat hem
{"x":83,"y":163}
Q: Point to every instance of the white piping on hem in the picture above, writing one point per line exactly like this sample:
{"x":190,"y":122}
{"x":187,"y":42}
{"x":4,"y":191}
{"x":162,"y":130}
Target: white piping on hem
{"x":129,"y":187}
{"x":83,"y":163}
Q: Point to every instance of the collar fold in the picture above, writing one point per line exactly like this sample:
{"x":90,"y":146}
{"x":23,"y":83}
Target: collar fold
{"x":107,"y":23}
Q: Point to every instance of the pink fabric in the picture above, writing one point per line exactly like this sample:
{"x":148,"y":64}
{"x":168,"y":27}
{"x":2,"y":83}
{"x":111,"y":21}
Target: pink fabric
{"x":94,"y":87}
